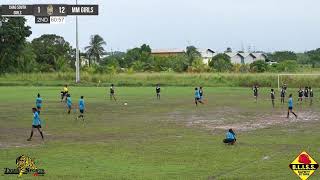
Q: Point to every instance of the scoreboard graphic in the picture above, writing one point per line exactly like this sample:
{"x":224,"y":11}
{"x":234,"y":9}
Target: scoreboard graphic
{"x":48,"y":13}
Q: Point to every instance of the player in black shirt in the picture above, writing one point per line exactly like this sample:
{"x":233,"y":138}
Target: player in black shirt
{"x":311,"y":95}
{"x":300,"y":95}
{"x":255,"y":92}
{"x":306,"y":93}
{"x":282,"y":94}
{"x":112,"y":93}
{"x":201,"y":93}
{"x":272,"y":94}
{"x":158,"y":89}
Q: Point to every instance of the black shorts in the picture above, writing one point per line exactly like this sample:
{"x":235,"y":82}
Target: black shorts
{"x":36,"y":126}
{"x":290,"y":108}
{"x":197,"y":99}
{"x":81,"y":111}
{"x":229,"y":140}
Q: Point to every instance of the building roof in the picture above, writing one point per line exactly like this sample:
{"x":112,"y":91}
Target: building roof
{"x":164,"y":51}
{"x":231,"y":54}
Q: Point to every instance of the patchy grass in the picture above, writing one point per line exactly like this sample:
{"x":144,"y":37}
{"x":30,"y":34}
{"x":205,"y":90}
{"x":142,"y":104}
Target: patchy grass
{"x":150,"y":139}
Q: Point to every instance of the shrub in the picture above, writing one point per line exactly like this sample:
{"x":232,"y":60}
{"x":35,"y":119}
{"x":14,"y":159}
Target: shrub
{"x":259,"y":66}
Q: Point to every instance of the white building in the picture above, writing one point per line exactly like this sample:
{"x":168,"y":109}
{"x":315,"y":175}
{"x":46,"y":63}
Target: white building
{"x":207,"y":55}
{"x":246,"y":58}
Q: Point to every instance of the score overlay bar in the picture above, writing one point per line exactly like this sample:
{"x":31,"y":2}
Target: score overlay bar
{"x":49,"y":10}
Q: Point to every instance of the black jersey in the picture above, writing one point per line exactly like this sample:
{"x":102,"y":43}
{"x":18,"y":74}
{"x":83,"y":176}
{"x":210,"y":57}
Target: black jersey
{"x":158,"y":89}
{"x":283,"y":93}
{"x":311,"y":93}
{"x":272,"y":95}
{"x":255,"y":91}
{"x":306,"y":93}
{"x":111,"y":90}
{"x":300,"y":93}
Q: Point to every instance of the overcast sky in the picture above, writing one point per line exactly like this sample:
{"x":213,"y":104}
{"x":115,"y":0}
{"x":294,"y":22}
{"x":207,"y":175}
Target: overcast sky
{"x":266,"y":25}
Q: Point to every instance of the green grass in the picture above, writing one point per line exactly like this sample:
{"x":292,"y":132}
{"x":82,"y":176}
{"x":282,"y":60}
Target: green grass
{"x":165,"y":79}
{"x":150,"y":139}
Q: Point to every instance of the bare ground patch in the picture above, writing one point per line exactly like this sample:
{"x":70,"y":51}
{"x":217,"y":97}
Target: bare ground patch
{"x":226,"y":118}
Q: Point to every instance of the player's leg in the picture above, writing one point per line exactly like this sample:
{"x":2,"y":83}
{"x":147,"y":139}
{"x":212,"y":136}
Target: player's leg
{"x":40,"y":131}
{"x":288,"y":114}
{"x":196,"y":101}
{"x":294,"y":113}
{"x":31,"y":134}
{"x":273,"y":103}
{"x":69,"y":109}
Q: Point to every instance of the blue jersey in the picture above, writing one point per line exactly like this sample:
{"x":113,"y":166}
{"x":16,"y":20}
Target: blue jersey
{"x":290,"y":102}
{"x":197,"y":94}
{"x":81,"y":104}
{"x":230,"y":136}
{"x":69,"y":102}
{"x":36,"y":119}
{"x":39,"y":102}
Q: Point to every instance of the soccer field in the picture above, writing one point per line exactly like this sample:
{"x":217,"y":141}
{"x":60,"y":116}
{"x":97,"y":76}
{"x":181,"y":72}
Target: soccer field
{"x":151,"y":139}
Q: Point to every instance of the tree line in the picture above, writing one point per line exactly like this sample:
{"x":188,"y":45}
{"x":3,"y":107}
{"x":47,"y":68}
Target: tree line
{"x":52,"y":53}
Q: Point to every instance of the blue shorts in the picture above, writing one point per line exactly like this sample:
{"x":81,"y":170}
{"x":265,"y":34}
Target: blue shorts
{"x":290,"y":108}
{"x":69,"y":105}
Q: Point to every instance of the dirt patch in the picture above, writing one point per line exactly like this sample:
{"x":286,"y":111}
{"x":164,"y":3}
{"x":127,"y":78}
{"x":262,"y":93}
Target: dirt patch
{"x":241,"y":121}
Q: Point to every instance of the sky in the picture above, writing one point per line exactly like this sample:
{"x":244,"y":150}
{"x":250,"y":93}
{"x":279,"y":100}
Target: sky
{"x":265,"y":25}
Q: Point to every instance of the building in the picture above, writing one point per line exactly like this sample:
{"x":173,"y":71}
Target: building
{"x":167,"y":52}
{"x":260,"y":56}
{"x":246,"y":58}
{"x":207,"y":55}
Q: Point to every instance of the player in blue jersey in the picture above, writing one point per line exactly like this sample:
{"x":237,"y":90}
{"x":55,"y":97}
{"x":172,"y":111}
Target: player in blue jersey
{"x":230,"y":137}
{"x":39,"y":103}
{"x":81,"y":108}
{"x":197,"y":97}
{"x":36,"y":123}
{"x":290,"y":107}
{"x":69,"y":103}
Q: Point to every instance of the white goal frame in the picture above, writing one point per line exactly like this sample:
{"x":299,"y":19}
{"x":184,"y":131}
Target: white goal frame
{"x":279,"y":75}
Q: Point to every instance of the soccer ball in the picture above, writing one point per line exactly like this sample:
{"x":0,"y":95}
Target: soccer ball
{"x":125,"y":104}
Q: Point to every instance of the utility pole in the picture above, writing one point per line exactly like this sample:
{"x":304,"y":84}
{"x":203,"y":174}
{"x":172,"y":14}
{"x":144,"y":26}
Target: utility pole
{"x":77,"y":51}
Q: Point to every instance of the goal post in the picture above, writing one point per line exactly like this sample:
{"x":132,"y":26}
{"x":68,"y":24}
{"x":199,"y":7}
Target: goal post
{"x":281,"y":75}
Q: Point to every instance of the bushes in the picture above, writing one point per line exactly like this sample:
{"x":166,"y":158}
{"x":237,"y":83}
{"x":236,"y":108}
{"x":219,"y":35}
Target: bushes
{"x":287,"y":66}
{"x":221,"y":63}
{"x":259,"y":66}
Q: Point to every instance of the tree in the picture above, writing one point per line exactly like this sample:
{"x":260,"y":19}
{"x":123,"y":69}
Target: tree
{"x":95,"y":49}
{"x":142,"y":54}
{"x":13,"y":34}
{"x":53,"y":53}
{"x":287,"y":66}
{"x":26,"y":60}
{"x":279,"y":56}
{"x":314,"y":57}
{"x":192,"y":54}
{"x":221,"y":63}
{"x":259,"y":66}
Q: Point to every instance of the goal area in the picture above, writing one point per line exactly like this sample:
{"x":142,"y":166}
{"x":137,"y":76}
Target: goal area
{"x":299,"y":80}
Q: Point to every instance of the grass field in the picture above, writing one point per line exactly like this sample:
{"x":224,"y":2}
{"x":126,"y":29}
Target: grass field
{"x":150,"y":139}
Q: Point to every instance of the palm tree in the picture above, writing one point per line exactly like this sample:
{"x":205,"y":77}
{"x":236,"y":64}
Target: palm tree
{"x":192,"y":54}
{"x":95,"y":49}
